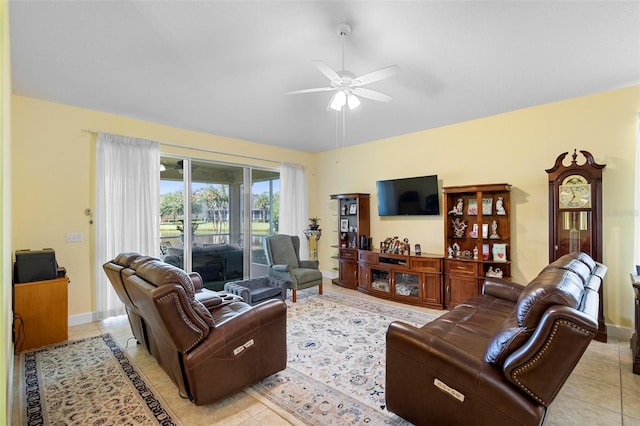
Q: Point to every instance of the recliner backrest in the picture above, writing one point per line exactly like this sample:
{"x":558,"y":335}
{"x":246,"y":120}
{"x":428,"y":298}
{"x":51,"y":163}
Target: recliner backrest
{"x":159,"y":273}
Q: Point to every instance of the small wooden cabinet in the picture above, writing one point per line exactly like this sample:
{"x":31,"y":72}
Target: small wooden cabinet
{"x":42,"y":310}
{"x":477,"y":230}
{"x":352,"y":225}
{"x":416,"y":280}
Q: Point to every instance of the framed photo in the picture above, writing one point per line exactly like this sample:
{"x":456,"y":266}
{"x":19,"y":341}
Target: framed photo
{"x":472,"y":207}
{"x":487,"y":205}
{"x":344,"y":225}
{"x":353,"y":208}
{"x":485,"y":230}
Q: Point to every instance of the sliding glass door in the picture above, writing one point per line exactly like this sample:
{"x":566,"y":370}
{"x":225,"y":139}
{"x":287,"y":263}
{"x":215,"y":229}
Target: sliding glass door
{"x":204,"y":225}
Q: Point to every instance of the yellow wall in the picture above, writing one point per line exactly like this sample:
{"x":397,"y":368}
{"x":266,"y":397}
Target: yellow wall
{"x":53,"y":174}
{"x":6,"y":352}
{"x":514,"y":148}
{"x":53,"y":177}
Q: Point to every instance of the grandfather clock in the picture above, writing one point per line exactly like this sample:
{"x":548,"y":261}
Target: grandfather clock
{"x":575,"y":214}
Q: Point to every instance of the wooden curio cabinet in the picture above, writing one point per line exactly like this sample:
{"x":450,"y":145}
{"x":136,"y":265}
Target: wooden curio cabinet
{"x":352,"y":227}
{"x":477,"y":231}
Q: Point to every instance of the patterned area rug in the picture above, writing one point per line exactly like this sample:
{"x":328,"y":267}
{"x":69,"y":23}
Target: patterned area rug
{"x":336,"y":362}
{"x":88,"y":381}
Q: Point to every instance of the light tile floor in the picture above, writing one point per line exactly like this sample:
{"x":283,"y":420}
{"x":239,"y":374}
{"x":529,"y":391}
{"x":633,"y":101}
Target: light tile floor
{"x":602,"y":390}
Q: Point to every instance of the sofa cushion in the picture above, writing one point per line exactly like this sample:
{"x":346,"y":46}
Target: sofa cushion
{"x":581,"y":269}
{"x":507,"y":338}
{"x":264,"y":293}
{"x":125,"y":259}
{"x":551,"y":287}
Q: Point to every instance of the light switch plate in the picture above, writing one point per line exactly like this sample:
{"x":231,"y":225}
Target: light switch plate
{"x":74,"y":237}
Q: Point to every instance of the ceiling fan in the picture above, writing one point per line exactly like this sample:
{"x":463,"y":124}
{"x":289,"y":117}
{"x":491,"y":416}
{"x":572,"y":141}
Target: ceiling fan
{"x":346,"y":85}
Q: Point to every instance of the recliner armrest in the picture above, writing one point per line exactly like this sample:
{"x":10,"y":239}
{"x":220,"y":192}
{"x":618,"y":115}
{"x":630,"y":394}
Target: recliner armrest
{"x":196,"y":278}
{"x":502,"y":289}
{"x":309,"y":264}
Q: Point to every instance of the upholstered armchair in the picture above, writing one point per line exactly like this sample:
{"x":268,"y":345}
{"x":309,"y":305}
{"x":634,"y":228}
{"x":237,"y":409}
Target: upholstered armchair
{"x":283,"y":259}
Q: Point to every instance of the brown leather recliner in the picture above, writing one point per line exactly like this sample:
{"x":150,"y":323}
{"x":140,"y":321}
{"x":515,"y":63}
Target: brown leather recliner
{"x":211,"y":349}
{"x":501,"y":357}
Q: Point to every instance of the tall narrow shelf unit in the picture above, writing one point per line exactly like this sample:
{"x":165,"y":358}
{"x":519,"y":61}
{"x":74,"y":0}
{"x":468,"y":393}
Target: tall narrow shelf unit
{"x":353,"y":223}
{"x":477,"y":230}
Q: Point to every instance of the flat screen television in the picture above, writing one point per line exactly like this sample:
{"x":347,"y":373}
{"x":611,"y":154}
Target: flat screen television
{"x":408,"y":196}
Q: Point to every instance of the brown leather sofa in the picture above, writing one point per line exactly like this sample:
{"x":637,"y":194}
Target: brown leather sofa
{"x":501,"y":357}
{"x":210,"y":344}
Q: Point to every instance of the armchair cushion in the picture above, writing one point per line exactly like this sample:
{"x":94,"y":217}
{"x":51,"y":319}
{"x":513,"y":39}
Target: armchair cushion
{"x":304,"y":276}
{"x":283,"y":251}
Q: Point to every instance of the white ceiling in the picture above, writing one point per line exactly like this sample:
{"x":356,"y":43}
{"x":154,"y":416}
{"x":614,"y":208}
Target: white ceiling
{"x":222,"y":67}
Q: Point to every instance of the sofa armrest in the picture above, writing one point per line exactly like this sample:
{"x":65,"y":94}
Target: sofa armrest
{"x":542,"y":365}
{"x":419,"y":365}
{"x":238,"y":352}
{"x":185,"y":328}
{"x":309,"y":264}
{"x":502,"y":289}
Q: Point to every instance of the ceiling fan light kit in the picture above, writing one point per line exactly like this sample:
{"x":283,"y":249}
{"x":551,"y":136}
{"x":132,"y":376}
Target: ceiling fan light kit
{"x":345,"y":84}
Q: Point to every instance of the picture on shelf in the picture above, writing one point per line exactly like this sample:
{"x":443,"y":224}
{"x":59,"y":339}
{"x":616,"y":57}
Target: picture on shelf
{"x":472,"y":207}
{"x":344,"y":210}
{"x":485,"y":230}
{"x":487,"y":205}
{"x":344,"y":225}
{"x":485,"y":252}
{"x":353,"y":208}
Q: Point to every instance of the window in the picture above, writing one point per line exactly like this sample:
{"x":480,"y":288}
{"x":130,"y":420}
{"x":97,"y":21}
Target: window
{"x":212,"y":209}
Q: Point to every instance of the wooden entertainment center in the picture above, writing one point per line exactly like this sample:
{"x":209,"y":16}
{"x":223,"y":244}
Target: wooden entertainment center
{"x":476,"y":224}
{"x":413,"y":279}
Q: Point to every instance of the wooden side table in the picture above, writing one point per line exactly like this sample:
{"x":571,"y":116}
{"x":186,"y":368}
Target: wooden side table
{"x":635,"y":342}
{"x":43,"y":310}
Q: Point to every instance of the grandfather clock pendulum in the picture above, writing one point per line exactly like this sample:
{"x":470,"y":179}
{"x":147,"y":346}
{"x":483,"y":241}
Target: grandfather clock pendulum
{"x":575,"y":214}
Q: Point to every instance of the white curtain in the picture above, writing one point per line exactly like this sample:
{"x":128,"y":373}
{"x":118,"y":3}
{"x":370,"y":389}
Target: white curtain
{"x":637,"y":196}
{"x":127,"y":208}
{"x":294,"y":206}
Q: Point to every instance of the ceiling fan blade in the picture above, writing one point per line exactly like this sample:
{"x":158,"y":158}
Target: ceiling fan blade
{"x":319,"y":89}
{"x":326,"y":70}
{"x":371,"y":94}
{"x":376,"y":75}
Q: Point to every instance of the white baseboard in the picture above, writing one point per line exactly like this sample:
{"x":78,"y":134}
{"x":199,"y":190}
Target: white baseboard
{"x":619,"y":332}
{"x":80,"y":319}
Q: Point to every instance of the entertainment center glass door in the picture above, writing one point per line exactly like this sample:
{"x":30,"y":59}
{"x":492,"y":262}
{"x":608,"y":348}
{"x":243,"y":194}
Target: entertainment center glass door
{"x":407,"y":284}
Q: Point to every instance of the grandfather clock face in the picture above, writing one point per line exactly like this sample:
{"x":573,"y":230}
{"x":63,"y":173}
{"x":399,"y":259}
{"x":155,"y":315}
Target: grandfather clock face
{"x":575,"y":207}
{"x":574,"y":216}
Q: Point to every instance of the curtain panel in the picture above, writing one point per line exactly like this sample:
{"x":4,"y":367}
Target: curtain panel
{"x":127,"y":208}
{"x":294,"y":204}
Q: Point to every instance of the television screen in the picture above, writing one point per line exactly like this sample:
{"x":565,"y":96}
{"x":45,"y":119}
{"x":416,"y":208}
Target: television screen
{"x":409,"y":196}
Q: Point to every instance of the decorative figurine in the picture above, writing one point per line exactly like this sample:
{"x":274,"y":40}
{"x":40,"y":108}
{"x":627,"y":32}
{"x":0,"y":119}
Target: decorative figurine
{"x":458,"y":227}
{"x":449,"y":252}
{"x":494,"y":231}
{"x":500,"y":207}
{"x":475,"y":253}
{"x":456,"y":250}
{"x":457,"y":210}
{"x":495,"y":273}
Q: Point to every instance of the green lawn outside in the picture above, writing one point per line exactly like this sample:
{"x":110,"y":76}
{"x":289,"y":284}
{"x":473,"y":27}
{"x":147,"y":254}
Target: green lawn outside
{"x":168,"y":229}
